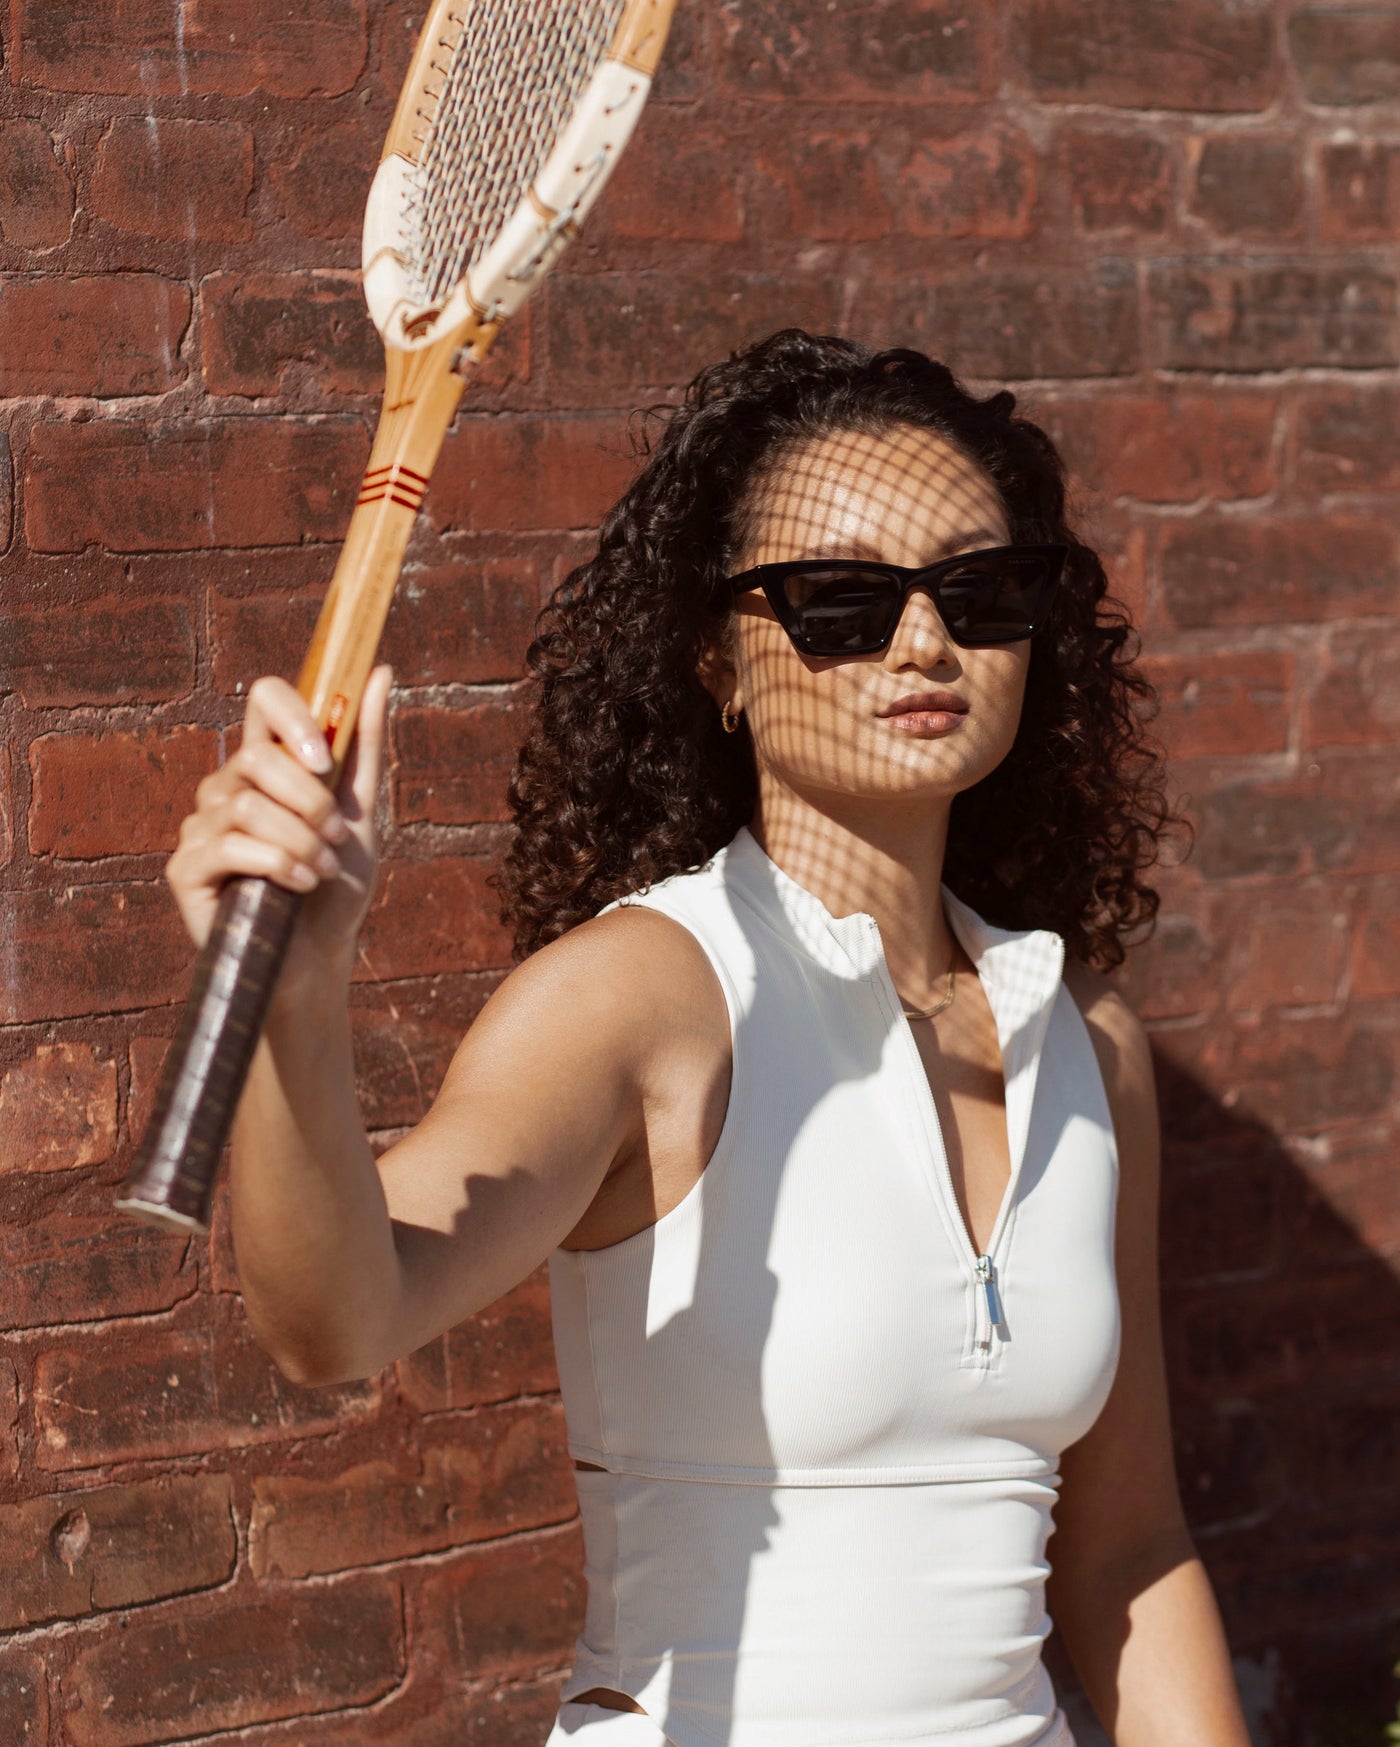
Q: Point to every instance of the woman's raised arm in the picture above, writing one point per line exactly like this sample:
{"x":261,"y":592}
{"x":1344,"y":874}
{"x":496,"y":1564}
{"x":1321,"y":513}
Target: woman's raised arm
{"x":345,"y":1264}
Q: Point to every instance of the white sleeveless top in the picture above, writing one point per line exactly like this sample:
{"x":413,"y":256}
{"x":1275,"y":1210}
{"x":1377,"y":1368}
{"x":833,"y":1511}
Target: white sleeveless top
{"x":827,"y":1471}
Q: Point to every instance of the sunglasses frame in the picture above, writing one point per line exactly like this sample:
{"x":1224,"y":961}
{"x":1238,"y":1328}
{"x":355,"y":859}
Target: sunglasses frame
{"x":769,"y":577}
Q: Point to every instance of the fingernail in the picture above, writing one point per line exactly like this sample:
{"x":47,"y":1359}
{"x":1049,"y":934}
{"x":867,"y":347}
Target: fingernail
{"x":335,"y":828}
{"x":317,"y":754}
{"x":302,"y":876}
{"x":328,"y":863}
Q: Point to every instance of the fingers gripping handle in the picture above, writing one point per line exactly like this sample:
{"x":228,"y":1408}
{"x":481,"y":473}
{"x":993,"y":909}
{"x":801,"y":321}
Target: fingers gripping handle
{"x":171,"y":1182}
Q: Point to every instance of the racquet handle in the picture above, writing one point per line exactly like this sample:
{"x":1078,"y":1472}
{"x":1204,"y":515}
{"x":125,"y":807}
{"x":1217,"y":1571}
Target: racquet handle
{"x":171,"y":1181}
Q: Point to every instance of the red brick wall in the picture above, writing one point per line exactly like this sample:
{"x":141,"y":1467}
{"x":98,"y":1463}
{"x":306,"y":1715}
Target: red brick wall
{"x":1175,"y":225}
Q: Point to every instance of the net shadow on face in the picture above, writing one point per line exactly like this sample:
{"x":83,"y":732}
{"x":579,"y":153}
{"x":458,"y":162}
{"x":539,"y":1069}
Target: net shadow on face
{"x":906,"y":497}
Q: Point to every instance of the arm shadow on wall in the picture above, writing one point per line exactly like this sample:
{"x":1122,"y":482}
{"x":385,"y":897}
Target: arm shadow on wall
{"x":1282,"y":1332}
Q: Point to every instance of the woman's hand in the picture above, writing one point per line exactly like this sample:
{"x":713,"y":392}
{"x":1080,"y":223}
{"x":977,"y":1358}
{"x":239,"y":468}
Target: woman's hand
{"x":268,"y":812}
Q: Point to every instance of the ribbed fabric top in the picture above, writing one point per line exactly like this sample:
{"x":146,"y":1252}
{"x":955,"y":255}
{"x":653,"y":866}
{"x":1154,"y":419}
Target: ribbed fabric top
{"x":813,"y":1315}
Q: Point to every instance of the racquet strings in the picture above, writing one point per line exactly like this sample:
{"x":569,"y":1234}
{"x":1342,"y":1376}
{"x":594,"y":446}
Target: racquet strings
{"x":511,"y":81}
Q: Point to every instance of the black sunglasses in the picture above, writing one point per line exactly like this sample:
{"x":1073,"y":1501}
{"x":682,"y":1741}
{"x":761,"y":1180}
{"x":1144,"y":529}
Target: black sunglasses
{"x":851,"y":606}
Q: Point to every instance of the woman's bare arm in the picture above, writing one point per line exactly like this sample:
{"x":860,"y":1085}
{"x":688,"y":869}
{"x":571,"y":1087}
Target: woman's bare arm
{"x":1128,"y":1593}
{"x":346,"y":1264}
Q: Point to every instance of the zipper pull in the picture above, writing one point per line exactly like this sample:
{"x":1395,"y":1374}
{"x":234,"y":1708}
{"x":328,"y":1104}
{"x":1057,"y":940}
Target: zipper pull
{"x":986,"y":1274}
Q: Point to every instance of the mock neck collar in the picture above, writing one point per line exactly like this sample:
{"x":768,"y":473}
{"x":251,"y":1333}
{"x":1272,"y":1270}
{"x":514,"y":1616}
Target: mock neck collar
{"x":1020,"y":969}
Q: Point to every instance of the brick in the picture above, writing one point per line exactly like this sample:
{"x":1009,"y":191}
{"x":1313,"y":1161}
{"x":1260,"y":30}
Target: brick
{"x":1360,"y":191}
{"x":1219,"y":571}
{"x":320,"y":178}
{"x":829,"y":186}
{"x":58,"y":1110}
{"x":1264,"y":315}
{"x":7,"y":808}
{"x":496,"y":1473}
{"x":1222,"y":704}
{"x":464,"y":622}
{"x":90,"y":949}
{"x":1174,"y":446}
{"x":262,"y":633}
{"x":186,"y":487}
{"x":431,"y":917}
{"x":1019,"y":324}
{"x":1116,"y":181}
{"x":113,"y":334}
{"x":212,"y":47}
{"x":78,"y":1553}
{"x":24,"y":1701}
{"x":1346,"y":438}
{"x":71,"y":1268}
{"x":1259,"y":1335}
{"x":1173,"y":974}
{"x":175,"y":181}
{"x":1342,"y":815}
{"x":1249,"y":185}
{"x":404,"y":1040}
{"x":504,"y":1612}
{"x":671,"y":186}
{"x":1284,"y":951}
{"x":1234,"y":1466}
{"x":973,"y":185}
{"x":107,"y":652}
{"x":233,"y":1661}
{"x":9,"y":1425}
{"x":1222,"y":1220}
{"x":615,"y":338}
{"x":452,"y":766}
{"x":505,"y":1351}
{"x":516,"y":473}
{"x":1375,"y":957}
{"x":1355,"y":1442}
{"x":133,"y":1392}
{"x":7,"y":494}
{"x":866,"y":51}
{"x":36,"y":197}
{"x":264,"y":333}
{"x":1347,"y":54}
{"x":115,"y":794}
{"x":1353,"y":692}
{"x":1193,"y":55}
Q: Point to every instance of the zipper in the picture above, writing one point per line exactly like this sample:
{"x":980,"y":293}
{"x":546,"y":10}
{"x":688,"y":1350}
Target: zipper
{"x":983,"y":1267}
{"x":986,"y":1273}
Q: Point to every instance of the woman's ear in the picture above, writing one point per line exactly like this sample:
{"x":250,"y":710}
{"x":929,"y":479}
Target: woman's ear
{"x":716,"y":671}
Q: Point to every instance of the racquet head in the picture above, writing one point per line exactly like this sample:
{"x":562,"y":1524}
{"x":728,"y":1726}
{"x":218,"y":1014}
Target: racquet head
{"x":511,"y":118}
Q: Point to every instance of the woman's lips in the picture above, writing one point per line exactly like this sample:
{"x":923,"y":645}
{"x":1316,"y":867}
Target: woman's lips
{"x":926,"y":712}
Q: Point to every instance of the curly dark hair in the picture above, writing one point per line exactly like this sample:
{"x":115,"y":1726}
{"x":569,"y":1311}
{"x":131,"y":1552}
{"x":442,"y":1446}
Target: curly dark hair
{"x":626,"y":775}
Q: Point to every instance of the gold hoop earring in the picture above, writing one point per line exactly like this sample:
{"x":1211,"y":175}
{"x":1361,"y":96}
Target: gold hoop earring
{"x":729,"y":724}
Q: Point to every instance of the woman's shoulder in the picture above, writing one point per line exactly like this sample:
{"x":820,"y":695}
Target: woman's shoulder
{"x":1120,"y":1042}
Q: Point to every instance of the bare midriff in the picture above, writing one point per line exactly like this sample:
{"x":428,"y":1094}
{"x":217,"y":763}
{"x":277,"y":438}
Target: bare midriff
{"x":604,"y":1695}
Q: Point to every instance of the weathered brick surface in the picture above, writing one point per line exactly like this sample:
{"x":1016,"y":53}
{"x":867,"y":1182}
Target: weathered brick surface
{"x":58,"y":1109}
{"x":77,"y":1553}
{"x":494,"y":1472}
{"x":220,"y":482}
{"x":504,"y":1352}
{"x":1173,"y":228}
{"x":116,"y":334}
{"x":192,"y":1667}
{"x":114,"y":794}
{"x":146,"y":1391}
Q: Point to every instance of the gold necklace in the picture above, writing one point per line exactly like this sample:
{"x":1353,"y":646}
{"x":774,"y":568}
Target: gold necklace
{"x":928,"y":1012}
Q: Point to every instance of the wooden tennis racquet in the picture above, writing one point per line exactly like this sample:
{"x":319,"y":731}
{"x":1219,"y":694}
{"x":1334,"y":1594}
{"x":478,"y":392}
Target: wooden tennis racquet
{"x":510,"y":121}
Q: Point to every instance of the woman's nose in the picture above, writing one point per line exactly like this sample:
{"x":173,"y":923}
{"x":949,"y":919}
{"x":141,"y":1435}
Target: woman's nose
{"x":920,"y":638}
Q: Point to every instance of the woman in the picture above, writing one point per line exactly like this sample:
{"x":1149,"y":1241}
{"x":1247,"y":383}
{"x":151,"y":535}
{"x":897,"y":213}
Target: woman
{"x":842,"y":1150}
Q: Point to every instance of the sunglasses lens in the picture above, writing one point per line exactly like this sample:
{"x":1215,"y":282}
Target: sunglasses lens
{"x":994,"y":598}
{"x":842,"y":612}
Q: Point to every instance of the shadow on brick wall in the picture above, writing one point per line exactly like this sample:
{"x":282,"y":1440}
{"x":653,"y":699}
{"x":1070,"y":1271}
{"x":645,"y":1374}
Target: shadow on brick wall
{"x":1282,"y":1332}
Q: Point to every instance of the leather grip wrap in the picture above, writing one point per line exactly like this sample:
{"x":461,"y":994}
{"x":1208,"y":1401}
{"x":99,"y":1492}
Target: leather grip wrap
{"x":171,"y":1181}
